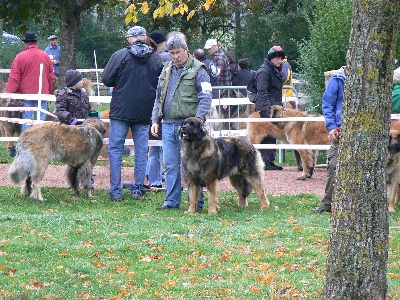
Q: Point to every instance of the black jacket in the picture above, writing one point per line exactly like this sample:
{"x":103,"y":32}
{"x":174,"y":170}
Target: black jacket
{"x":269,"y":86}
{"x":242,"y":79}
{"x":72,"y":104}
{"x":133,"y":72}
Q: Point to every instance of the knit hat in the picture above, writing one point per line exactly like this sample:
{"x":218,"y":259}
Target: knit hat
{"x":158,"y":37}
{"x":276,"y":51}
{"x":136,"y":30}
{"x":30,"y":36}
{"x":72,"y":77}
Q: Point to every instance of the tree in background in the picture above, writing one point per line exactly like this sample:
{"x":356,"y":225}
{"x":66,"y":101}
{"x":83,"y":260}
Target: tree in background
{"x":325,"y":50}
{"x":359,"y":233}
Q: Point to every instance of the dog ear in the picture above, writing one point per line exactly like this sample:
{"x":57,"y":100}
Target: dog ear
{"x":202,"y":130}
{"x":180,"y":128}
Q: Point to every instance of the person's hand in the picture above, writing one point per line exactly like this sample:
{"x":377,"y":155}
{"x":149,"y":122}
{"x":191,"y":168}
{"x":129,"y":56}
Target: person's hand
{"x":334,"y":135}
{"x":154,"y":129}
{"x":71,"y":120}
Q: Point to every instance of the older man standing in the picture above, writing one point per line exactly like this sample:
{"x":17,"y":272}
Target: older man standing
{"x":133,"y":72}
{"x":183,"y":91}
{"x":24,"y":75}
{"x":53,"y":50}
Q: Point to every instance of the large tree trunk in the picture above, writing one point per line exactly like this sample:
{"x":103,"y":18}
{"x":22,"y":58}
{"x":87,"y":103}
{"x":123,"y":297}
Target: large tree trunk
{"x":358,"y":252}
{"x":70,"y":21}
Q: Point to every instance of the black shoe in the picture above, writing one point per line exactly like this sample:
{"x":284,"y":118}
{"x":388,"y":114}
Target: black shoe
{"x":269,"y":168}
{"x":276,"y":167}
{"x":118,"y":199}
{"x":163,"y":207}
{"x":320,"y":210}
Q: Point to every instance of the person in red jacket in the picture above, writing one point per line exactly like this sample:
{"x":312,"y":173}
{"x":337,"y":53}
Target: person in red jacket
{"x":25,"y":73}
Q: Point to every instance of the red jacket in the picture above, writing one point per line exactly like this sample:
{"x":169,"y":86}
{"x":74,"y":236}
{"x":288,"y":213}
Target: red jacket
{"x":25,"y":71}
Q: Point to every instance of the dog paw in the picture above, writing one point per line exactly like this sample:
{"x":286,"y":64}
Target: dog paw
{"x":302,"y":178}
{"x":391,"y":209}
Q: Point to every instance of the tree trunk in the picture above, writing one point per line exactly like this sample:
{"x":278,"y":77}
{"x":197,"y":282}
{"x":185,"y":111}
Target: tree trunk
{"x":70,"y":21}
{"x":358,"y":252}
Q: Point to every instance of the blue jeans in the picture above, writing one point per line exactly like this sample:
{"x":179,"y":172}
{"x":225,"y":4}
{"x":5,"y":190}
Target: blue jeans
{"x":30,"y":115}
{"x":140,"y":136}
{"x":154,"y":165}
{"x":172,"y":162}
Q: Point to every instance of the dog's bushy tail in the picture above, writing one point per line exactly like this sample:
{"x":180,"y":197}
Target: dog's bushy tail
{"x":22,"y":166}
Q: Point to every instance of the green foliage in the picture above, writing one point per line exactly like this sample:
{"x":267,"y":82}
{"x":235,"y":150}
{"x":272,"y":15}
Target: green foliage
{"x":7,"y":53}
{"x":325,"y":50}
{"x":102,"y":33}
{"x":268,"y":25}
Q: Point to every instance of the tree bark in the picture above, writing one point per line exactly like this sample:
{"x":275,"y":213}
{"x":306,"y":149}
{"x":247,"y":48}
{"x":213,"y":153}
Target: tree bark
{"x":358,"y":252}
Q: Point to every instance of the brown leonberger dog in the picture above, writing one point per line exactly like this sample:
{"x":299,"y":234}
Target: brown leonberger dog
{"x":302,"y":132}
{"x":207,"y":160}
{"x":76,"y":146}
{"x":393,"y":168}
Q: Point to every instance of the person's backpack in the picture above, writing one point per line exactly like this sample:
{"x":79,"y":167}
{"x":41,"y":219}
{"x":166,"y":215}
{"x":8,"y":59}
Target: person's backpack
{"x":252,"y":88}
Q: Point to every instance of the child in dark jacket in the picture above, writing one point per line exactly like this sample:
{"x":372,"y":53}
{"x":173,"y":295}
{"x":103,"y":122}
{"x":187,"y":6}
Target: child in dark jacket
{"x":72,"y":102}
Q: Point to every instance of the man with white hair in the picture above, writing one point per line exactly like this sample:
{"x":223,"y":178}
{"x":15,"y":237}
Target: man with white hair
{"x":183,"y":91}
{"x":133,"y":72}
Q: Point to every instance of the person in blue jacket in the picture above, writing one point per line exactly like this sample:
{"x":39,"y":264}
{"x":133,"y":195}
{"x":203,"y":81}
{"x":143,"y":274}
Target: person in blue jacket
{"x":53,"y":50}
{"x":332,"y":112}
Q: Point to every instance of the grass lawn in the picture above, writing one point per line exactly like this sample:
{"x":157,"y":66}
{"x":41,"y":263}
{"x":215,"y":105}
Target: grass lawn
{"x":77,"y":248}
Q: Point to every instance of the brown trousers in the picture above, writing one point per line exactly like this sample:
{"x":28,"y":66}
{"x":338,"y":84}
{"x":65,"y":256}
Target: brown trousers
{"x":330,"y":183}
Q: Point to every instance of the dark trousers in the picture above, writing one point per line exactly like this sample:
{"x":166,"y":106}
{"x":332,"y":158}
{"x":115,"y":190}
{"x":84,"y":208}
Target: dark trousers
{"x":268,"y":155}
{"x":330,"y":183}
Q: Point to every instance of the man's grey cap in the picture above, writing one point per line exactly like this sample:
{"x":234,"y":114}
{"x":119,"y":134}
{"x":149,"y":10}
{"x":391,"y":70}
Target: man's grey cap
{"x":52,"y":37}
{"x":136,"y":30}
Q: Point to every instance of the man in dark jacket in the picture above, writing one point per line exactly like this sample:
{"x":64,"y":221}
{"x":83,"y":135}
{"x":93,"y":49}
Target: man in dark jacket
{"x":269,"y":92}
{"x":133,"y":72}
{"x":243,"y":75}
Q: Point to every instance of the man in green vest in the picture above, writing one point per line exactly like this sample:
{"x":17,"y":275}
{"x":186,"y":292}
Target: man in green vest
{"x":183,"y":91}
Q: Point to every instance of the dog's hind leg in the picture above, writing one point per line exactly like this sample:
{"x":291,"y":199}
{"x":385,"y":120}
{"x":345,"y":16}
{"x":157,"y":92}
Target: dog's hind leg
{"x":243,"y":187}
{"x":307,"y":164}
{"x":72,"y":179}
{"x":298,"y":160}
{"x":85,"y":174}
{"x":257,"y":184}
{"x":212,"y":188}
{"x":26,"y":187}
{"x":37,"y":177}
{"x":194,"y":195}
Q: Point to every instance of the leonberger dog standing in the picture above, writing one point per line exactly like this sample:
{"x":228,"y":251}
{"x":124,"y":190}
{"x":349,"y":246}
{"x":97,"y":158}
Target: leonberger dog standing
{"x":393,"y":168}
{"x":76,"y":146}
{"x":302,"y":132}
{"x":206,"y":160}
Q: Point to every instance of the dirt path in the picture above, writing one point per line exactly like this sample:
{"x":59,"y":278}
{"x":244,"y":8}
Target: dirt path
{"x":276,"y":182}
